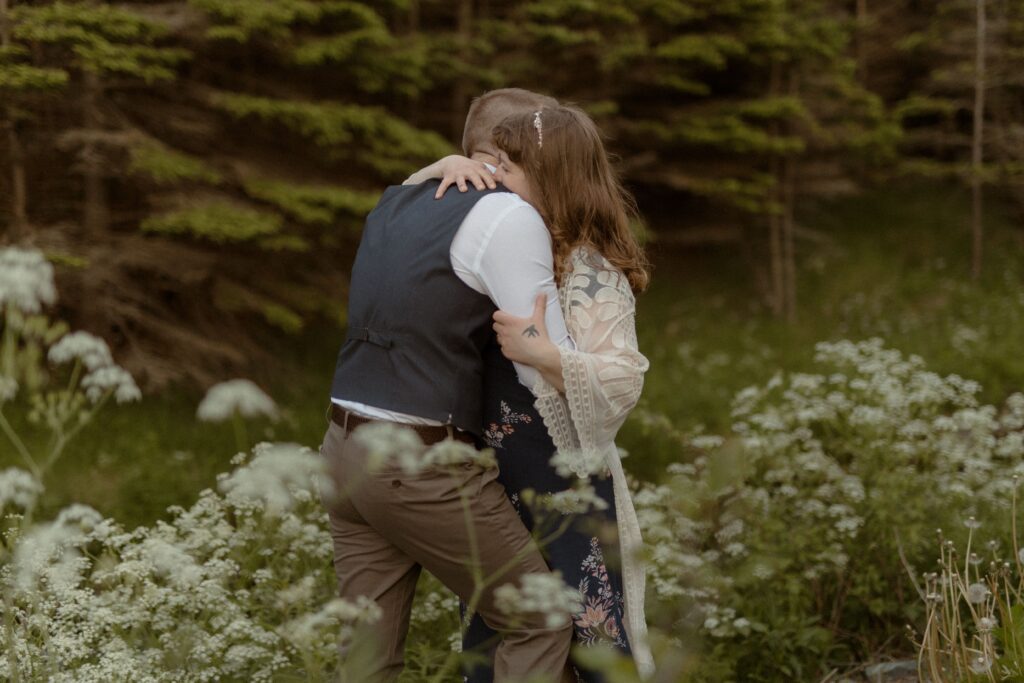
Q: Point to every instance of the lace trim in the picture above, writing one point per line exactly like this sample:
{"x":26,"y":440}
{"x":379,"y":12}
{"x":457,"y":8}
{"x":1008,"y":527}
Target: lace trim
{"x":634,"y":575}
{"x":584,"y":295}
{"x":554,"y":411}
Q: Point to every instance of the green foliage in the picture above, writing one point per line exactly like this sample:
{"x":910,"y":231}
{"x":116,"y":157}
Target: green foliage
{"x":102,"y":38}
{"x":317,"y":205}
{"x":167,"y":166}
{"x":369,"y":136}
{"x":234,"y":297}
{"x":241,"y":19}
{"x":22,"y":77}
{"x":217,"y":221}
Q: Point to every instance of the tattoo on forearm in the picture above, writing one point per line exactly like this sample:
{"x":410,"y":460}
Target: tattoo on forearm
{"x":531,"y":331}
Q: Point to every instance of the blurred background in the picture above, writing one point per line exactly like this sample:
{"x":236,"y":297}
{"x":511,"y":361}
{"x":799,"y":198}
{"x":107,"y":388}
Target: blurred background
{"x":806,"y":170}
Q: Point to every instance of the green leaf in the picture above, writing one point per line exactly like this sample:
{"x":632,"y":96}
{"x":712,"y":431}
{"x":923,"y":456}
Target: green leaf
{"x":217,"y":221}
{"x":167,"y":166}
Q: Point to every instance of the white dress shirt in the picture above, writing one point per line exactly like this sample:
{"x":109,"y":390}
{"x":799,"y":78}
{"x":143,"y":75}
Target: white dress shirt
{"x":503,"y":250}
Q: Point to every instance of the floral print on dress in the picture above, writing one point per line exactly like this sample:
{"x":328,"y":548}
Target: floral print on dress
{"x":496,"y":432}
{"x":602,"y":605}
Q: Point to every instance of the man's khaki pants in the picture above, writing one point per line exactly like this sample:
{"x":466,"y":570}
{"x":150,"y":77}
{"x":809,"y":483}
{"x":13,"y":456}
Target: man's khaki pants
{"x":386,"y":525}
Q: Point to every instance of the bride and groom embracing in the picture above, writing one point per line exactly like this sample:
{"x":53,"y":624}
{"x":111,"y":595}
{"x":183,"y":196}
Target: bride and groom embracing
{"x":457,"y":330}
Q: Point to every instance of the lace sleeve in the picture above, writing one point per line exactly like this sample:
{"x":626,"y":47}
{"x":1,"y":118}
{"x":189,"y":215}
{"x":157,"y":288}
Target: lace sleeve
{"x":604,"y":374}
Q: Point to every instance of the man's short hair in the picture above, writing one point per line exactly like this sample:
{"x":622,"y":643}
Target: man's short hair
{"x":491,"y":108}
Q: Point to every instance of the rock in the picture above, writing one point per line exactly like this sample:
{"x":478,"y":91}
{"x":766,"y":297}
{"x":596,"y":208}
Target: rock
{"x":900,"y":671}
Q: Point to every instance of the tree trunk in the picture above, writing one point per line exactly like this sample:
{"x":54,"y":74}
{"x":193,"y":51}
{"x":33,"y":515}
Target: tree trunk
{"x":414,"y":17}
{"x":862,"y":39}
{"x":460,"y":89}
{"x":977,"y":228}
{"x":788,"y":227}
{"x":19,"y":188}
{"x":95,"y":213}
{"x":778,"y":293}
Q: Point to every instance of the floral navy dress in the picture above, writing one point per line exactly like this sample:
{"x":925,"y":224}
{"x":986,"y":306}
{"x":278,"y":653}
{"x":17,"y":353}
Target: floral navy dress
{"x":582,"y":546}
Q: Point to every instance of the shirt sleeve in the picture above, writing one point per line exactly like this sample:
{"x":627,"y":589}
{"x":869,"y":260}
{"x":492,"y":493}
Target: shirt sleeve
{"x":514,"y":266}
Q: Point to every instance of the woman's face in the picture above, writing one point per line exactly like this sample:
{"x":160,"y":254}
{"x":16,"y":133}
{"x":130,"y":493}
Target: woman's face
{"x":514,"y":178}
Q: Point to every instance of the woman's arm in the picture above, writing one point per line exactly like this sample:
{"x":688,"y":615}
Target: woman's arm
{"x":457,"y":170}
{"x":526,"y":341}
{"x":601,"y":379}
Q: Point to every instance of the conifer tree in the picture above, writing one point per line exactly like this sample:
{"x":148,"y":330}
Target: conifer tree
{"x":715,"y":103}
{"x":18,"y":80}
{"x":946,"y":116}
{"x":103,"y":48}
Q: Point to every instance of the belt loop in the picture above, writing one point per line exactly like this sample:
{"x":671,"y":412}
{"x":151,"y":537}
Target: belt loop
{"x":345,"y":426}
{"x":451,"y":433}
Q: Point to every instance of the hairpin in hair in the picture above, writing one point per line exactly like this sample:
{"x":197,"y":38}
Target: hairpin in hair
{"x":539,"y":127}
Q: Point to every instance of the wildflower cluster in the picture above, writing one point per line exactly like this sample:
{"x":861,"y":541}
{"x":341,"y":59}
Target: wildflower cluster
{"x":390,"y":445}
{"x":804,"y":499}
{"x":235,"y":397}
{"x":60,"y":400}
{"x":237,"y":586}
{"x":545,"y":594}
{"x":26,"y":280}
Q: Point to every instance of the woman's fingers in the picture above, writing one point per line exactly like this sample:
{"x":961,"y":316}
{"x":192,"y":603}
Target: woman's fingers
{"x":446,"y":182}
{"x":461,"y":172}
{"x":501,"y":318}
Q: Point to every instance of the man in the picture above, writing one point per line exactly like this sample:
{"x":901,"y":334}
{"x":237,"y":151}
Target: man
{"x":428,"y":276}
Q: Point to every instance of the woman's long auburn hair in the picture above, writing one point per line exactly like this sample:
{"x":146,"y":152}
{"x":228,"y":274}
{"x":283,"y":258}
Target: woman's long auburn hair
{"x":575,"y":188}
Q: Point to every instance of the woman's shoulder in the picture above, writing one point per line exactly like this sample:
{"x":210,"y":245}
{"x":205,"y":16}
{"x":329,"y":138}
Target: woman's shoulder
{"x":591,"y":269}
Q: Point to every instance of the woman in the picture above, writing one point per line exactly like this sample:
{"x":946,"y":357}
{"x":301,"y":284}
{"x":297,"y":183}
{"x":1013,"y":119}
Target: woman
{"x":555,"y":160}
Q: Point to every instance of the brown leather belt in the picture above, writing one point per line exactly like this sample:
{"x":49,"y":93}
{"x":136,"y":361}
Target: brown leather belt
{"x":429,"y":434}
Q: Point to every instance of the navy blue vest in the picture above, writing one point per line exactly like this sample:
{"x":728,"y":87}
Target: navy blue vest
{"x":416,"y":332}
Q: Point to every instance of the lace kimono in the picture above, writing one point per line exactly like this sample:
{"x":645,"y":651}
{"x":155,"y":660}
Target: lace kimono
{"x":603,"y":379}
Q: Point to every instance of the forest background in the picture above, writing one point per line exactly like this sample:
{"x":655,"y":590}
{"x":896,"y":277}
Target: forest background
{"x":806,"y":170}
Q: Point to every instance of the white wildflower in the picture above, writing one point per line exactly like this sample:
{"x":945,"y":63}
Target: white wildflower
{"x":171,"y":562}
{"x":26,"y":280}
{"x":980,"y":663}
{"x":93,"y":351}
{"x":338,"y":615}
{"x":79,"y":516}
{"x":730,"y":531}
{"x":986,"y":624}
{"x":546,"y":594}
{"x":41,"y":547}
{"x":239,"y":396}
{"x":297,"y":594}
{"x":581,"y":462}
{"x":8,"y":388}
{"x":448,"y":452}
{"x":387,"y":443}
{"x":977,"y":592}
{"x":735,"y":549}
{"x":434,"y":606}
{"x":114,"y":379}
{"x":576,"y":500}
{"x":275,"y":476}
{"x":18,"y":488}
{"x":707,"y":442}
